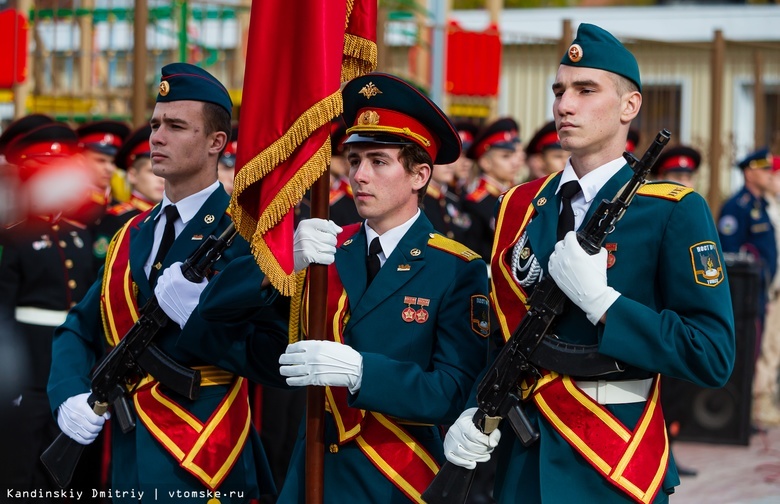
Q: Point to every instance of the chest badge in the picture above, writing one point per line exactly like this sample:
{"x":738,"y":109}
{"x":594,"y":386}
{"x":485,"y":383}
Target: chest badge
{"x":421,"y":315}
{"x":541,"y":201}
{"x":611,"y":249}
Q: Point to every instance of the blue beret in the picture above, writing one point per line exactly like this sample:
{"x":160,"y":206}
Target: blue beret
{"x":182,"y":81}
{"x":757,"y":160}
{"x":595,"y":47}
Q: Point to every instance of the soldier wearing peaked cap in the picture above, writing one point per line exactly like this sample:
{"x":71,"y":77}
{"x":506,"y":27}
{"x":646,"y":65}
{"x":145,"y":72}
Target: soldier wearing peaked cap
{"x":654,"y":300}
{"x":167,"y":453}
{"x":744,"y":223}
{"x":407,"y":307}
{"x":544,"y":154}
{"x":146,"y":189}
{"x":99,"y":141}
{"x":497,"y":152}
{"x":45,"y":268}
{"x":465,"y":168}
{"x":677,"y":164}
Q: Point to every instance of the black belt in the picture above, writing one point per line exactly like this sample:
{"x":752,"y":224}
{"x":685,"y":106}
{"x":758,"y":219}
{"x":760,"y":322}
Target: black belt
{"x":582,"y":361}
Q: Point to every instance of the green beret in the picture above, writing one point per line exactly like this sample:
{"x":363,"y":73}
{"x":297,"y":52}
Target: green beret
{"x":595,"y":47}
{"x":182,"y":81}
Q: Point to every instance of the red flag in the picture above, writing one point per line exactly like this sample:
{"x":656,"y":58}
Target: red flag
{"x":298,"y":52}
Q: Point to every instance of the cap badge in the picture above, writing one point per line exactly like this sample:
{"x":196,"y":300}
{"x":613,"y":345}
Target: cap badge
{"x":575,"y":53}
{"x":367,"y":118}
{"x":165,"y":88}
{"x":369,"y":91}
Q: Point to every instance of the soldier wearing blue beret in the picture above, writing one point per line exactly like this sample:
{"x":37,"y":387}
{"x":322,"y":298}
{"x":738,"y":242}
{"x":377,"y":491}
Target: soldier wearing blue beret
{"x":179,"y":446}
{"x":655,"y":300}
{"x":407,"y":308}
{"x":744,"y":223}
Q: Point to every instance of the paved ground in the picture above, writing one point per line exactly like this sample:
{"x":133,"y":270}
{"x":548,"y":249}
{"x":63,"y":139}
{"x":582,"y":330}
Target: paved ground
{"x":731,"y":474}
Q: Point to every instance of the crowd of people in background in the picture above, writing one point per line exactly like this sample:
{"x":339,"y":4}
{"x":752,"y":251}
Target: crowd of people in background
{"x":57,"y":236}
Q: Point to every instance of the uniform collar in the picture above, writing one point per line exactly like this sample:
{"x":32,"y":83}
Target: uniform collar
{"x":390,"y":239}
{"x":190,"y":205}
{"x":593,"y":181}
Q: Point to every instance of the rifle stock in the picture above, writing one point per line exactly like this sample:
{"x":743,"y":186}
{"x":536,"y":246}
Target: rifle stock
{"x":135,"y":356}
{"x":497,"y":394}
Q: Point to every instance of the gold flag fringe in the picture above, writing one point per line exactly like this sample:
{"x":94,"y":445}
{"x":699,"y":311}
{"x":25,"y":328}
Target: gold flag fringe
{"x":360,"y":57}
{"x":293,"y":334}
{"x":263,"y":163}
{"x":279,"y":206}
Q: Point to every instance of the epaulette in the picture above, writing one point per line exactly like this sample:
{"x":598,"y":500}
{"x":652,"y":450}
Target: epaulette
{"x":121,"y":208}
{"x":665,"y":190}
{"x":477,"y":195}
{"x":441,"y":242}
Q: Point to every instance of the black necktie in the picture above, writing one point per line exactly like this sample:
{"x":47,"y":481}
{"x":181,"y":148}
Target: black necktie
{"x":372,"y":260}
{"x":168,"y":237}
{"x":566,"y":219}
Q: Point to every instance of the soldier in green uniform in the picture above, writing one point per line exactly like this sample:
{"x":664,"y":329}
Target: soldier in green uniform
{"x":181,"y":450}
{"x":655,"y":300}
{"x":407,"y":308}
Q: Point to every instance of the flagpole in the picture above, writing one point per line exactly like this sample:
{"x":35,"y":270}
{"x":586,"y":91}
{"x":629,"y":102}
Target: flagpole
{"x":315,"y":396}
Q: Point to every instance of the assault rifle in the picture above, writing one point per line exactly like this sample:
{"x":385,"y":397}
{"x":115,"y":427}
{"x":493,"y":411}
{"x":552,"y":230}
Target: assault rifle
{"x":132,"y":358}
{"x":499,"y":394}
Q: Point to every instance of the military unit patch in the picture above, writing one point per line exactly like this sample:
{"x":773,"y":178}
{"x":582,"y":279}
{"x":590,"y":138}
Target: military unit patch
{"x":728,"y":225}
{"x":707,"y":266}
{"x":480,"y":315}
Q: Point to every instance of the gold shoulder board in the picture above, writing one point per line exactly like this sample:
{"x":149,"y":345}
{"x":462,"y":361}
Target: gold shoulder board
{"x":441,"y":242}
{"x":665,"y":190}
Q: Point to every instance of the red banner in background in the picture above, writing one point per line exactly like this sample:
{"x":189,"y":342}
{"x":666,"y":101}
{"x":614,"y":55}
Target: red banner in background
{"x":473,"y":61}
{"x":13,"y":41}
{"x":298,"y":53}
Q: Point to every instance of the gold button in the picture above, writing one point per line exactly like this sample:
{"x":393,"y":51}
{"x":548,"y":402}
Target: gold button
{"x":63,"y":244}
{"x":69,"y":263}
{"x":72,"y":284}
{"x":334,"y":448}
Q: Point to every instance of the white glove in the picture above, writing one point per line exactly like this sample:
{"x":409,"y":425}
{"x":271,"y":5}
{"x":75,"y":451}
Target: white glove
{"x":77,"y":420}
{"x":314,"y":242}
{"x":178,"y":297}
{"x":465,"y":445}
{"x":582,"y":277}
{"x":314,"y":362}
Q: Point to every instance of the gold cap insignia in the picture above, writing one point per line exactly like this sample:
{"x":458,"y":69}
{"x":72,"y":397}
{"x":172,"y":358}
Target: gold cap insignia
{"x":369,"y":90}
{"x":368,"y":118}
{"x":575,"y":53}
{"x":165,"y":88}
{"x":208,"y":219}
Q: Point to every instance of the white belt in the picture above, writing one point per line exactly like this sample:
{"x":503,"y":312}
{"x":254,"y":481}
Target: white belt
{"x":617,"y":392}
{"x":40,"y":316}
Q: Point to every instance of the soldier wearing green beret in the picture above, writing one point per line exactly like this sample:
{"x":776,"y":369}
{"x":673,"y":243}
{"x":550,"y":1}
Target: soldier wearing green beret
{"x":407,"y":308}
{"x":655,"y":300}
{"x":181,"y":449}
